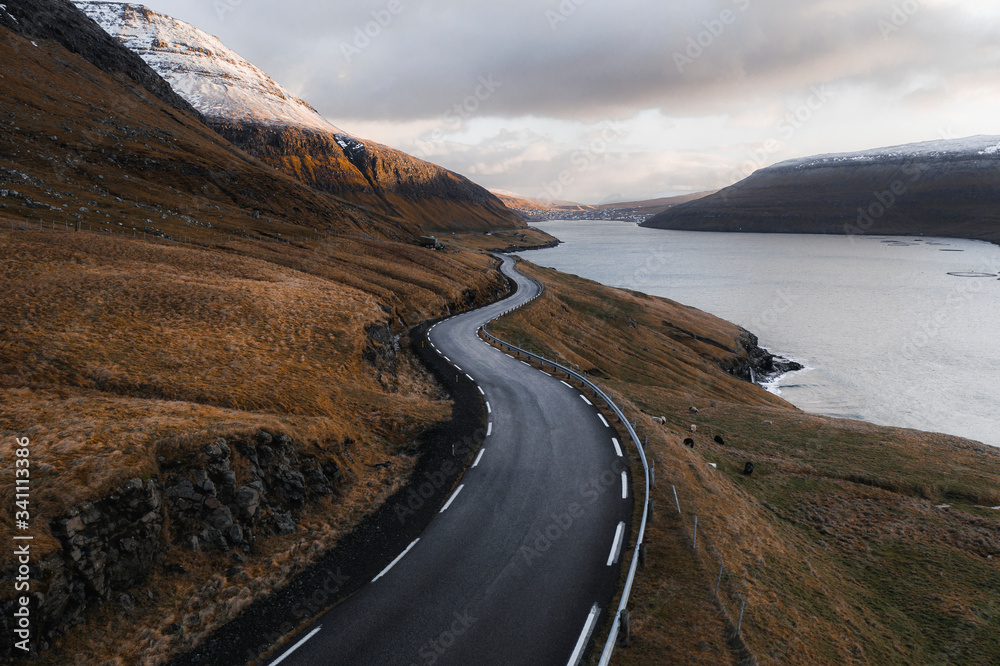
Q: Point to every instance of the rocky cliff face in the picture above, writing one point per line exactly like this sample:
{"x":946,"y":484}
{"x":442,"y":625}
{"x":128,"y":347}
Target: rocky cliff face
{"x":939,"y":188}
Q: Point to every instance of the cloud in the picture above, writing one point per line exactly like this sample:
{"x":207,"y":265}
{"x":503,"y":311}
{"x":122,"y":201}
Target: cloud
{"x":702,"y":83}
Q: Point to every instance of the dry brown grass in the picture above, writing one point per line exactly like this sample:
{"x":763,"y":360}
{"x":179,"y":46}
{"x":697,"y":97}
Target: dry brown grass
{"x":836,"y":542}
{"x":119,"y":356}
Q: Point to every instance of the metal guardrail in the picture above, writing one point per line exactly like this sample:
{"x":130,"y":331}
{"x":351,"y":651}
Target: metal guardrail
{"x":609,"y":646}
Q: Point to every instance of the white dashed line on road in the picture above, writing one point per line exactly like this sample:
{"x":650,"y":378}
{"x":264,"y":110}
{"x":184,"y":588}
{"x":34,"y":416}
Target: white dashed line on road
{"x":617,"y":545}
{"x":618,"y":449}
{"x":296,"y":646}
{"x":479,"y":457}
{"x":581,"y":642}
{"x":565,"y":383}
{"x":489,"y":410}
{"x":489,"y":428}
{"x":587,"y":401}
{"x":601,"y":416}
{"x":451,"y":499}
{"x":481,"y":391}
{"x":624,"y":485}
{"x":395,"y":561}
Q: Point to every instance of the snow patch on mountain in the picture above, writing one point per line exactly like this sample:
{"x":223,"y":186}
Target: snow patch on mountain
{"x":945,"y":148}
{"x":214,"y":79}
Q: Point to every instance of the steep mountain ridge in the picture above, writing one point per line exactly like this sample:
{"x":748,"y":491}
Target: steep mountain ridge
{"x":251,"y":110}
{"x":935,"y":188}
{"x":62,"y":22}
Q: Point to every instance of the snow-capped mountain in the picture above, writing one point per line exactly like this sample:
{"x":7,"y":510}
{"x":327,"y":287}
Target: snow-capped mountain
{"x":983,"y":146}
{"x":254,"y":112}
{"x":936,"y":188}
{"x":212,"y":77}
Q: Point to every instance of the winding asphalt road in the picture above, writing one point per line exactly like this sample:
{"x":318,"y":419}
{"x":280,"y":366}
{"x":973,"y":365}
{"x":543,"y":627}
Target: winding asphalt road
{"x":521,"y":563}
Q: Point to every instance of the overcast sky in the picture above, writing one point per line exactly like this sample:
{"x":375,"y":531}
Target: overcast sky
{"x":590,"y":100}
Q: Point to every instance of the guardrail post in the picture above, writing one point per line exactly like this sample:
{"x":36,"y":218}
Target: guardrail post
{"x":676,"y":501}
{"x":625,"y":638}
{"x":642,"y":555}
{"x":719,"y":579}
{"x":651,"y":507}
{"x":694,"y":538}
{"x":739,"y":623}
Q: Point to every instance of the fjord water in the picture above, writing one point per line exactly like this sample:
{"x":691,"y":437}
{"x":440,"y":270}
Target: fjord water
{"x":887,"y":335}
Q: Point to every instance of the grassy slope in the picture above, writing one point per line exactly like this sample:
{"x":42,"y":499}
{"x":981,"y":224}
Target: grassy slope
{"x":836,"y":541}
{"x":119,"y":357}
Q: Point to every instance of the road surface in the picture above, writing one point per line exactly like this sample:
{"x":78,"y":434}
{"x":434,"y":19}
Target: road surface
{"x":521,"y":563}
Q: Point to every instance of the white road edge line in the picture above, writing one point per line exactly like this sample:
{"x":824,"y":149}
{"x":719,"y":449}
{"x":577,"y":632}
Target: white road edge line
{"x":489,"y":428}
{"x":617,"y":545}
{"x":296,"y":646}
{"x":618,"y":448}
{"x":581,"y":642}
{"x":395,"y":561}
{"x":526,"y":363}
{"x":488,"y":409}
{"x":565,"y":383}
{"x":601,"y":416}
{"x":470,"y":377}
{"x":447,"y":359}
{"x":624,"y":485}
{"x":457,"y":367}
{"x":481,"y":391}
{"x":479,"y":457}
{"x":452,"y":499}
{"x":587,"y":401}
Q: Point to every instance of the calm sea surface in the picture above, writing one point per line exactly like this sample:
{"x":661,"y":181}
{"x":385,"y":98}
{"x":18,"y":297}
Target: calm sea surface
{"x":896,"y":331}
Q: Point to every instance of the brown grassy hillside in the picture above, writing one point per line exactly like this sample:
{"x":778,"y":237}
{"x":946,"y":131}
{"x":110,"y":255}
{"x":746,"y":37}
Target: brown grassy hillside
{"x":121,"y":359}
{"x":377,"y":176}
{"x":851,"y":543}
{"x":78,"y":144}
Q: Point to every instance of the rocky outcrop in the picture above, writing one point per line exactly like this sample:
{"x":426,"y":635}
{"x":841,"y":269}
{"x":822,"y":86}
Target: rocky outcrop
{"x":756,"y":364}
{"x":111,"y":545}
{"x":212,"y":507}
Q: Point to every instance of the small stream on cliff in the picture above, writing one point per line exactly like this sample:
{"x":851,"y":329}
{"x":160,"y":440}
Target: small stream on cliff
{"x":900,"y":331}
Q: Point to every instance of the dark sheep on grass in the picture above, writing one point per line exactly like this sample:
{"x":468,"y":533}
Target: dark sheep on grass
{"x":689,"y":442}
{"x":719,"y":440}
{"x":748,"y":468}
